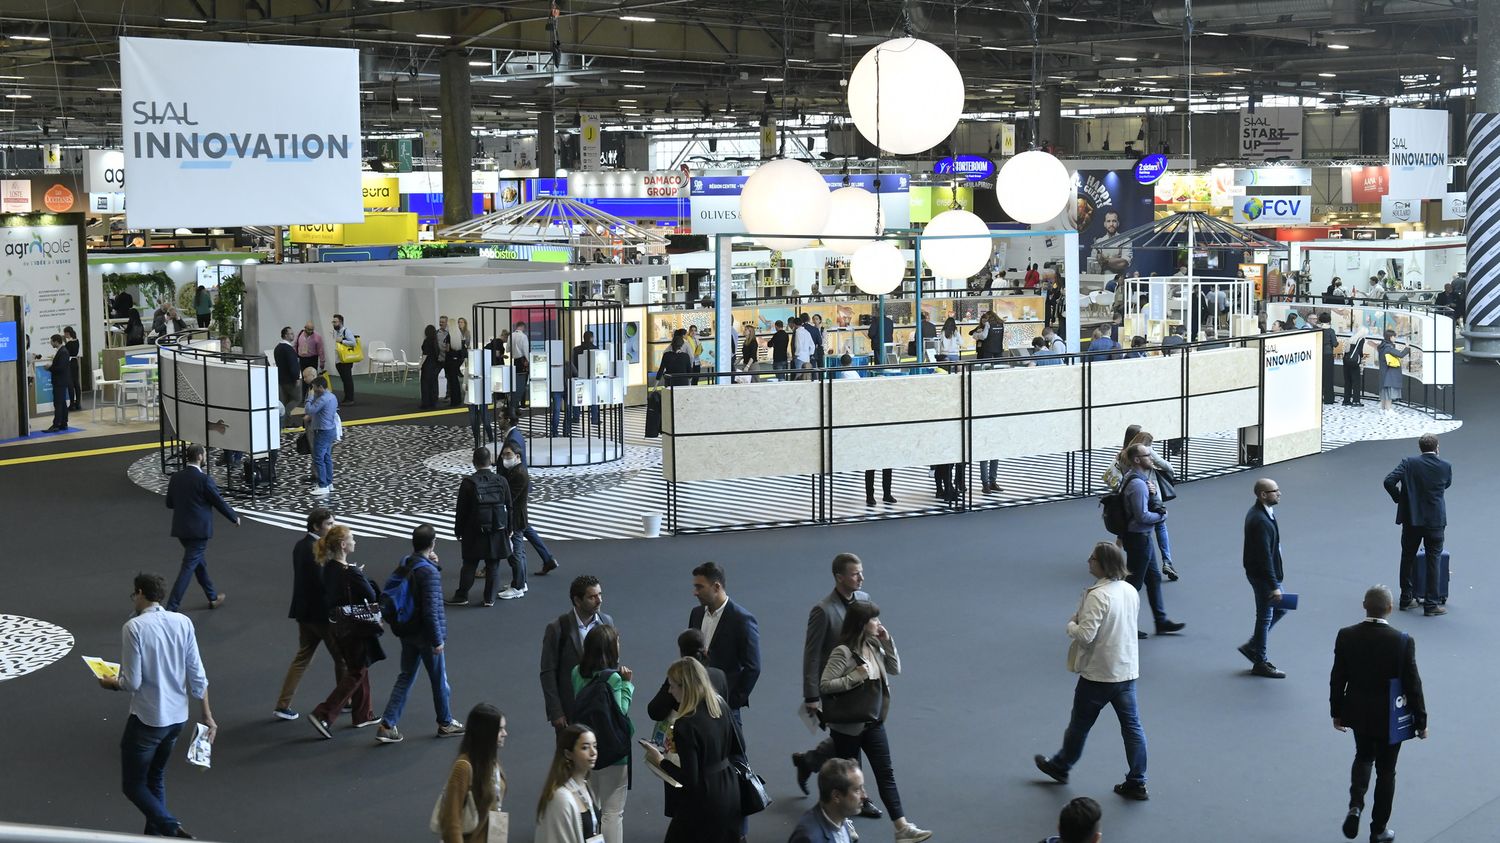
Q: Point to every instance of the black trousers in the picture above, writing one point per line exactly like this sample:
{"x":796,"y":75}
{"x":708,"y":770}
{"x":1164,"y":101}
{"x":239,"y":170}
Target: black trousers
{"x":1353,"y":388}
{"x":77,"y":366}
{"x":346,"y":377}
{"x":466,"y":579}
{"x":203,"y":319}
{"x":455,"y":381}
{"x":1327,"y":378}
{"x":1411,"y":539}
{"x":429,"y":383}
{"x":1374,"y":750}
{"x":885,"y":482}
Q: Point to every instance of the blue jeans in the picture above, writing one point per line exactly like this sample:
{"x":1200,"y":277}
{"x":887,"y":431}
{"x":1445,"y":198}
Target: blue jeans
{"x":1140,"y":561}
{"x":413,"y":649}
{"x":1089,"y":698}
{"x":144,"y":752}
{"x":987,"y":471}
{"x":536,"y":542}
{"x":1266,"y":616}
{"x":322,"y":456}
{"x":517,"y":560}
{"x":193,"y":565}
{"x":1164,"y":542}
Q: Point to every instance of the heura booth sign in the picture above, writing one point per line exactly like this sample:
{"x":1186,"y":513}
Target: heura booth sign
{"x":198,"y":157}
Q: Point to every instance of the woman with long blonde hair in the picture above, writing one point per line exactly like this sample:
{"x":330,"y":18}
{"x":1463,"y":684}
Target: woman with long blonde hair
{"x":706,"y":809}
{"x":345,"y":584}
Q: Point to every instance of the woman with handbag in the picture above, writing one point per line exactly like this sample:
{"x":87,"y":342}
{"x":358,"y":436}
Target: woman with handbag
{"x":355,"y":624}
{"x":467,"y":809}
{"x":568,"y":811}
{"x":1390,"y":369}
{"x":1166,"y":486}
{"x":706,"y":809}
{"x":855,"y":686}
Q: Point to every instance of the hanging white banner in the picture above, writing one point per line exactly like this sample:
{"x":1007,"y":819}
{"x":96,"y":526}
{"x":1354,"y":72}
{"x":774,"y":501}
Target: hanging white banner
{"x":1419,"y":153}
{"x":588,"y":141}
{"x":1271,"y":133}
{"x":200,"y":156}
{"x":1394,"y":210}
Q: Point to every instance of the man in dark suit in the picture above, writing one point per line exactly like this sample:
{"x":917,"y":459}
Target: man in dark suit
{"x":1262,"y":559}
{"x":61,"y":369}
{"x":824,"y":624}
{"x":880,"y":332}
{"x":193,"y":496}
{"x":562,"y":646}
{"x":733,"y":635}
{"x":1417,"y":486}
{"x":841,"y":790}
{"x":1366,"y":657}
{"x":288,"y":373}
{"x":309,"y":610}
{"x":1330,"y":341}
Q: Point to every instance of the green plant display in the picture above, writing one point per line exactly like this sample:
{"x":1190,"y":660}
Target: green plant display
{"x":155,"y":287}
{"x":226,"y":314}
{"x":185,"y":301}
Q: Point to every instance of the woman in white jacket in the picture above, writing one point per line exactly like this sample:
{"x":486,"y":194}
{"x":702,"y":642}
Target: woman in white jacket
{"x":568,"y":812}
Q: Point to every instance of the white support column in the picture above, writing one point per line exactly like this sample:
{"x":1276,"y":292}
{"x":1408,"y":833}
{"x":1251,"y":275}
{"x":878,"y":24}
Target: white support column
{"x":1073,"y":334}
{"x":723,"y":307}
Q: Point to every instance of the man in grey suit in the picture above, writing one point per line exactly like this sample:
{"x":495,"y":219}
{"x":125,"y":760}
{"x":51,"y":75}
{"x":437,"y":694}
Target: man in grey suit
{"x":823,"y":625}
{"x":1417,"y":486}
{"x":562,"y":646}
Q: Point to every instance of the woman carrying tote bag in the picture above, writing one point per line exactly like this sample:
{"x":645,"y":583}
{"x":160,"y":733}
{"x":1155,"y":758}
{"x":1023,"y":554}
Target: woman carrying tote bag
{"x":855,"y":686}
{"x":468,"y":809}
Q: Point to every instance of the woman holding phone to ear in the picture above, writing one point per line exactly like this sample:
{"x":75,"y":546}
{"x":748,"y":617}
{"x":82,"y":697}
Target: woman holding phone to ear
{"x":855,"y":686}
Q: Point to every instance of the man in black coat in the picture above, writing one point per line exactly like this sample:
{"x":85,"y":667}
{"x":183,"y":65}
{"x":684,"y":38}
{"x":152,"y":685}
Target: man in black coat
{"x":308,"y":610}
{"x":1417,"y":486}
{"x":1366,"y":657}
{"x":61,"y":369}
{"x":480,"y":541}
{"x":193,"y":496}
{"x":1262,"y":560}
{"x":1330,"y":341}
{"x":288,"y":373}
{"x":562,"y":646}
{"x":732,"y":633}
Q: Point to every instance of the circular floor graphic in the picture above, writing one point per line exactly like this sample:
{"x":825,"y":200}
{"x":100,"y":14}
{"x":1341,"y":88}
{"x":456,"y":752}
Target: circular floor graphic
{"x":27,"y":645}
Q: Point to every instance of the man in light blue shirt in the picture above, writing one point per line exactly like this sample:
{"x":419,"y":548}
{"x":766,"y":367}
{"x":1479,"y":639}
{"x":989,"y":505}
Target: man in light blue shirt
{"x":160,"y":667}
{"x":1042,"y":354}
{"x":322,"y":428}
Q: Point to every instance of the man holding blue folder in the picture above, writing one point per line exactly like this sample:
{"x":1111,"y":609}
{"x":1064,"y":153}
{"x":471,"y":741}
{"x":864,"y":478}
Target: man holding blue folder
{"x":1262,"y":559}
{"x":1375,"y":690}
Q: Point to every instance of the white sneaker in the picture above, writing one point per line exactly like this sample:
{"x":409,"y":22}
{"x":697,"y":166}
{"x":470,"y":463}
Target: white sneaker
{"x":511,"y":593}
{"x":319,"y":491}
{"x":911,"y":834}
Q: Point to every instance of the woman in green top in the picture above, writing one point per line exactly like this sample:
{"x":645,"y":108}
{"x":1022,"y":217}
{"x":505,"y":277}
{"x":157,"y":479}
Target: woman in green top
{"x":203,"y":305}
{"x":601,"y":662}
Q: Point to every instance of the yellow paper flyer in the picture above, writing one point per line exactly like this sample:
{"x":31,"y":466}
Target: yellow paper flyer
{"x":101,"y":668}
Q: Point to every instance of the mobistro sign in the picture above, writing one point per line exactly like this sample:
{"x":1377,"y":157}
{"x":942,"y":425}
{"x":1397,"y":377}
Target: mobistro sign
{"x":252,"y":160}
{"x":971,"y":167}
{"x":1150,"y":169}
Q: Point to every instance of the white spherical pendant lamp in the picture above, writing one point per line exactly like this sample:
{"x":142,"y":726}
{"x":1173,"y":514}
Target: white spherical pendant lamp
{"x":956,"y":258}
{"x":919,"y":96}
{"x":877,"y":267}
{"x":785,"y":197}
{"x":1033,"y":187}
{"x":852,"y":212}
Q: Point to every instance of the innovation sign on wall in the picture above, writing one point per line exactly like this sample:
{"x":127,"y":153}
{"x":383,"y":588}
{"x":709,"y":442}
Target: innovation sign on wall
{"x":200,"y":156}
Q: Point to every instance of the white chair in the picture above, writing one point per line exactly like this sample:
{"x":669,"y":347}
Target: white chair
{"x":407,"y":367}
{"x":1093,"y":302}
{"x":383,"y":360}
{"x":370,"y":348}
{"x":99,"y":385}
{"x":134,"y":387}
{"x":1106,"y":300}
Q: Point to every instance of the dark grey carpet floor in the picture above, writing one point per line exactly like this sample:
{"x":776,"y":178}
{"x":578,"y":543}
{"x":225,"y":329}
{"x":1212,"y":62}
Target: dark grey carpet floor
{"x":977,"y":604}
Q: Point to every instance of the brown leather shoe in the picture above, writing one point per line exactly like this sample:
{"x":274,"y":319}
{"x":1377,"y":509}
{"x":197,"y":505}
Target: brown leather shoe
{"x":217,"y":601}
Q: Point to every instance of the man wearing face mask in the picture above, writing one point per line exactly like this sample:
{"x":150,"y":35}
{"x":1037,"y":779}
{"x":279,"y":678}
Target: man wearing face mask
{"x":519,"y":481}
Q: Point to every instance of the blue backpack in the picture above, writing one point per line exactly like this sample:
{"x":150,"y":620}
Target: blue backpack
{"x":398,"y":598}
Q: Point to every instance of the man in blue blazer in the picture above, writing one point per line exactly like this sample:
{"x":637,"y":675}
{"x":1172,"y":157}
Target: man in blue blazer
{"x":192,"y":496}
{"x":1417,"y":486}
{"x":841,"y":789}
{"x":733,"y":635}
{"x":1262,"y":559}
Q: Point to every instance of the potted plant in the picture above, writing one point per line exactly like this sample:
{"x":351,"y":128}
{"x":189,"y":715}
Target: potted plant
{"x":226,"y":313}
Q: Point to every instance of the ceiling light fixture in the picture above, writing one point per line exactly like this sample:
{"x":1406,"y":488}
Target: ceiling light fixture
{"x":1328,"y":75}
{"x":1074,"y":20}
{"x":12,"y":77}
{"x":403,"y":99}
{"x":627,"y":100}
{"x":996,"y":49}
{"x":39,"y":38}
{"x":18,"y":96}
{"x":184,"y":20}
{"x":479,"y":64}
{"x":1444,"y":58}
{"x":799,"y":61}
{"x":637,"y":19}
{"x":629,"y":70}
{"x":427,"y":108}
{"x":1245,"y":69}
{"x":1216,"y":34}
{"x":841,"y":35}
{"x":1338,"y":46}
{"x":433,"y":37}
{"x":642,"y":87}
{"x":772,"y":79}
{"x":501,"y":97}
{"x":1126,"y":58}
{"x":108,"y":90}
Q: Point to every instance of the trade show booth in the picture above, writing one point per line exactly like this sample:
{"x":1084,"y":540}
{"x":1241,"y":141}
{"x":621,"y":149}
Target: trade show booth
{"x":1418,"y":268}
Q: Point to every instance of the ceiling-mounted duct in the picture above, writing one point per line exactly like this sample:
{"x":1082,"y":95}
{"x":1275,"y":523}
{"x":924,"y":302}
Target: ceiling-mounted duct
{"x":1221,"y":13}
{"x":1346,"y":17}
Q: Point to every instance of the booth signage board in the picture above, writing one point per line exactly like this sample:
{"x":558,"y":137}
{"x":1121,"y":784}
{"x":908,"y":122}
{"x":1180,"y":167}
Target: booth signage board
{"x":1291,"y":384}
{"x":1456,"y":206}
{"x":380,"y":192}
{"x":1007,"y":140}
{"x":104,"y":171}
{"x":200,"y":158}
{"x":715,"y":203}
{"x":107,"y":203}
{"x":1419,"y":153}
{"x":1255,"y":273}
{"x":588,"y":141}
{"x":971,"y":167}
{"x":1271,"y":133}
{"x":42,"y":264}
{"x":378,"y":229}
{"x":1393,"y":209}
{"x":655,"y":184}
{"x":8,"y":351}
{"x":1150,"y":169}
{"x":1274,"y":177}
{"x":1272,"y":210}
{"x":1365,"y":185}
{"x":15,"y":196}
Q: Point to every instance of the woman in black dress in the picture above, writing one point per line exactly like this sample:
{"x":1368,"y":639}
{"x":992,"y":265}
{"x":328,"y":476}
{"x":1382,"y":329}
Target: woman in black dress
{"x":70,"y":341}
{"x":706,"y":809}
{"x":430,"y":368}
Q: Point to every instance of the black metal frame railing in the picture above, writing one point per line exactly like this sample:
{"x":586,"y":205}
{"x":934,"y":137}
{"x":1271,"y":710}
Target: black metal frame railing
{"x":1433,"y":399}
{"x":1081,"y":469}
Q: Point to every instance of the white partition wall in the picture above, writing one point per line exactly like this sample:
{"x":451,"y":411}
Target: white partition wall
{"x":226,"y":404}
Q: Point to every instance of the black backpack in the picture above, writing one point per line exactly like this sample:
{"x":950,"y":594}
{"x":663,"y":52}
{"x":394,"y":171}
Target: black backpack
{"x":1112,"y":509}
{"x":595,"y":707}
{"x":492,"y":497}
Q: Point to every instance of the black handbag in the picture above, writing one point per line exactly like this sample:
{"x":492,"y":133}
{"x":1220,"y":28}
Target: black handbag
{"x":754,"y":797}
{"x":860,"y":704}
{"x":359,"y":619}
{"x":304,"y":447}
{"x":1165,"y":484}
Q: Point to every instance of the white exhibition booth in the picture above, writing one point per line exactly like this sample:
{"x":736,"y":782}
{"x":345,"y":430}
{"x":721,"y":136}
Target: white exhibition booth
{"x":1417,"y":264}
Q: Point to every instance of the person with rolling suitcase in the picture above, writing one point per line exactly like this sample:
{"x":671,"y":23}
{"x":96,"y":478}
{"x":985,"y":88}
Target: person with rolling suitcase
{"x":1417,"y":486}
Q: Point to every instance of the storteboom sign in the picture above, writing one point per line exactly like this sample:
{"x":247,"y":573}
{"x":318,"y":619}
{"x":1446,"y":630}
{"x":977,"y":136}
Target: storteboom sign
{"x":199,"y":157}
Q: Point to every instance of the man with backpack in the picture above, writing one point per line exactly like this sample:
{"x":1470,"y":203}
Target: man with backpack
{"x":412,"y":602}
{"x":482,"y":524}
